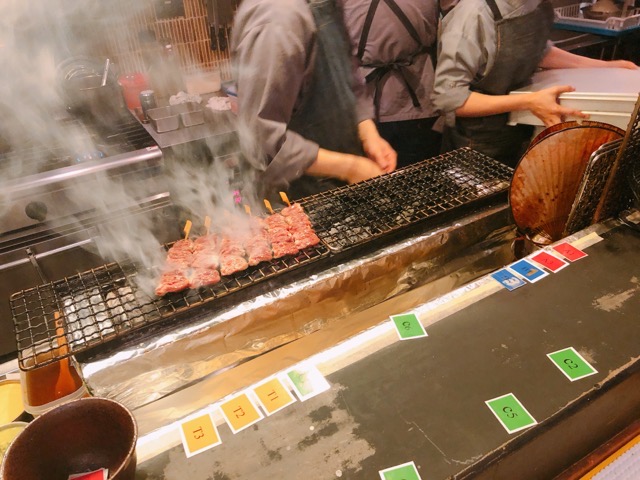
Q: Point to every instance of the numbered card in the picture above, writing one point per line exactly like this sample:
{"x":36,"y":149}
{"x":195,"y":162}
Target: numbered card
{"x":510,"y":413}
{"x":569,"y":252}
{"x":307,"y":381}
{"x":101,"y":474}
{"x":199,"y":434}
{"x":548,"y":261}
{"x":273,"y":395}
{"x":240,"y":412}
{"x":571,"y":363}
{"x":528,"y":271}
{"x":508,"y":279}
{"x":406,"y":471}
{"x":408,"y":326}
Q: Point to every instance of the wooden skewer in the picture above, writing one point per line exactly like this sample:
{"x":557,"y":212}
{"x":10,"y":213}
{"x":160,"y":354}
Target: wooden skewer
{"x":285,"y":199}
{"x":267,"y":204}
{"x":247,"y":209}
{"x":187,"y":229}
{"x":207,"y":224}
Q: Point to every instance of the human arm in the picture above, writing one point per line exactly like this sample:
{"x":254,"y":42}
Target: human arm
{"x":543,"y":104}
{"x":343,"y":166}
{"x":270,"y":54}
{"x":558,"y":58}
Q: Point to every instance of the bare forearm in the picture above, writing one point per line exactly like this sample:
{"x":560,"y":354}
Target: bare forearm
{"x":331,"y":164}
{"x":558,"y":58}
{"x":480,"y":105}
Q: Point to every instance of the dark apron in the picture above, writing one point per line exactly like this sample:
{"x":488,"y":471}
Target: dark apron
{"x":521,"y":43}
{"x":327,"y":112}
{"x":382,"y":70}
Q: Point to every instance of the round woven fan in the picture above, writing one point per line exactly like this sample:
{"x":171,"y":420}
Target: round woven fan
{"x":547,"y":178}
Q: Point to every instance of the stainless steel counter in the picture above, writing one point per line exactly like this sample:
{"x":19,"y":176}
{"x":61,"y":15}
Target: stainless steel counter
{"x":219,"y":128}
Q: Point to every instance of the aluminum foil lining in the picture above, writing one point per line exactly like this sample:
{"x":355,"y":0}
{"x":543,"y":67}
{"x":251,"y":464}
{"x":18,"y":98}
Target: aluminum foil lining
{"x":225,"y":337}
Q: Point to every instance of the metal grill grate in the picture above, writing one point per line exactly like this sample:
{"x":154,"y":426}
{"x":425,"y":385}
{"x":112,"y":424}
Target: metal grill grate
{"x":104,"y":303}
{"x":618,"y":194}
{"x":592,"y":187}
{"x":351,"y":215}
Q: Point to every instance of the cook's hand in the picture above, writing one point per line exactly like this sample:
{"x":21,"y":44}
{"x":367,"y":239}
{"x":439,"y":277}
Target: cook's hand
{"x":361,"y":168}
{"x":544,"y":105}
{"x":622,"y":64}
{"x":377,"y":148}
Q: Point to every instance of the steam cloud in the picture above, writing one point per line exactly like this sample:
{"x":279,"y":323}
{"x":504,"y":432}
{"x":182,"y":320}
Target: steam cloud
{"x":35,"y":41}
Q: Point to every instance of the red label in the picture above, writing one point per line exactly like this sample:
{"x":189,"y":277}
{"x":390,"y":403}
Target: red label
{"x":569,"y":251}
{"x":549,"y":261}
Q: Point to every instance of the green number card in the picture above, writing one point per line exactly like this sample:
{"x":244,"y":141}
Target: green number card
{"x":406,"y":471}
{"x":571,"y":363}
{"x":408,"y":326}
{"x":511,"y":413}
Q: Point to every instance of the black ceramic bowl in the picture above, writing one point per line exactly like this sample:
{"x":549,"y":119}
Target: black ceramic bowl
{"x":80,"y":436}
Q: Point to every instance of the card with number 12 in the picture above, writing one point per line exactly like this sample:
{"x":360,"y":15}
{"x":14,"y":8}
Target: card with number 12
{"x":569,"y":252}
{"x":548,"y":261}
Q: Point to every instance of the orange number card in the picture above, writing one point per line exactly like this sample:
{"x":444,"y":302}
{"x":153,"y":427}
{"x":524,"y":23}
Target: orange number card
{"x":240,"y":412}
{"x":273,"y":396}
{"x":199,"y":434}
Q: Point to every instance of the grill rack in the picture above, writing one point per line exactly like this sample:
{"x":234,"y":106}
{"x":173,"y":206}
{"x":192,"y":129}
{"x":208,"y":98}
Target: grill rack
{"x":618,"y":194}
{"x":592,"y":187}
{"x":348,"y":216}
{"x":104,"y":303}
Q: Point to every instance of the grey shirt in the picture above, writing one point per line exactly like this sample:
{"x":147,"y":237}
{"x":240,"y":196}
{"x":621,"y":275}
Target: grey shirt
{"x":389,"y":40}
{"x":467,"y":48}
{"x":273,"y":47}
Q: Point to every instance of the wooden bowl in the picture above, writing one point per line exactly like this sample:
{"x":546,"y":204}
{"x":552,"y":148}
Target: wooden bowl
{"x":76,"y":437}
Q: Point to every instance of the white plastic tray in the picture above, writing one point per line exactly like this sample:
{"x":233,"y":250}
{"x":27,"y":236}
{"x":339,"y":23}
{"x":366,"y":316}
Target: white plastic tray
{"x":607,"y":94}
{"x":571,"y":16}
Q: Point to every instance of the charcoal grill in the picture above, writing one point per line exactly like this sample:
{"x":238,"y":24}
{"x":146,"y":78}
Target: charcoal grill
{"x":105,"y":303}
{"x":348,"y":216}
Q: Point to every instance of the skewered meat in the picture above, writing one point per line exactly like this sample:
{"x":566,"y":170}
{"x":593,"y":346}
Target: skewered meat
{"x":205,"y":259}
{"x":275,"y":220}
{"x":193,"y":263}
{"x":206,"y":242}
{"x":280,"y":249}
{"x":172,"y":282}
{"x":260,"y":252}
{"x":306,"y":239}
{"x":232,"y":247}
{"x":201,"y":277}
{"x":293,"y":209}
{"x":184,"y":244}
{"x":231,"y":264}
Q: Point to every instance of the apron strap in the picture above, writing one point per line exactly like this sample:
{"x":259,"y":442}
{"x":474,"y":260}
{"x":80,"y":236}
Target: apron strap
{"x":494,"y":9}
{"x":405,"y":20}
{"x":364,"y":36}
{"x":380,"y":71}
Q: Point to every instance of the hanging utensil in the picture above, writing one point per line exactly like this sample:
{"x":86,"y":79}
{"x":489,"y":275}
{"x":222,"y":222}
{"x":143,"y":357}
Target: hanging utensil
{"x":547,"y":179}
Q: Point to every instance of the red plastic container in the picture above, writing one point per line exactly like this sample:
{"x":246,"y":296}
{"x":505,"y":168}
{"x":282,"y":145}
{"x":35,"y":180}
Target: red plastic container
{"x":132,"y":84}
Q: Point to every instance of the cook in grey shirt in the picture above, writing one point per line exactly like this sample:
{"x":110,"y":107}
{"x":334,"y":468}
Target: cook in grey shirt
{"x":396,"y":59}
{"x":466,"y":52}
{"x":274,"y":47}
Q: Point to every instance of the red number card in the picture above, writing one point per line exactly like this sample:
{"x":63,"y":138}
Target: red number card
{"x":548,"y":261}
{"x":569,"y":252}
{"x":95,"y":475}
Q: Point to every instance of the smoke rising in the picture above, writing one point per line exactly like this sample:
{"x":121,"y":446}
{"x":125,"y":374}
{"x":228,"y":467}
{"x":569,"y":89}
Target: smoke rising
{"x":37,"y":40}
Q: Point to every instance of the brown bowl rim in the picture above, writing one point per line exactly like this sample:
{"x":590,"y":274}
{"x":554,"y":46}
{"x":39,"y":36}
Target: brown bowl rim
{"x":69,"y":404}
